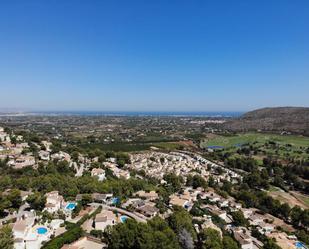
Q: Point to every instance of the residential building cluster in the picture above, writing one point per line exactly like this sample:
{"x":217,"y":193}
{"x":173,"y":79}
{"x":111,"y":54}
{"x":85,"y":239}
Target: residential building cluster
{"x":157,"y":164}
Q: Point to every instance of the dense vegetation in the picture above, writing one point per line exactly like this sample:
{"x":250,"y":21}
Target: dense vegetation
{"x":176,"y":232}
{"x":6,"y":238}
{"x":292,"y":119}
{"x":155,"y":234}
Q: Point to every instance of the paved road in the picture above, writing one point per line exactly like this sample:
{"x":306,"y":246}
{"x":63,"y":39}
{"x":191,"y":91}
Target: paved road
{"x":17,"y":215}
{"x":79,"y":170}
{"x":137,"y":217}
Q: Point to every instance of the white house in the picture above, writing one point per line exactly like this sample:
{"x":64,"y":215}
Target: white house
{"x":4,"y":137}
{"x":85,"y":243}
{"x":54,"y":202}
{"x":265,"y":228}
{"x":178,"y":201}
{"x":104,"y":219}
{"x":44,"y":155}
{"x":223,"y":203}
{"x":61,"y":156}
{"x":256,"y":219}
{"x":148,"y":210}
{"x":20,"y":230}
{"x":22,"y":161}
{"x":244,"y":238}
{"x":98,"y":172}
{"x":19,"y":243}
{"x":151,"y":196}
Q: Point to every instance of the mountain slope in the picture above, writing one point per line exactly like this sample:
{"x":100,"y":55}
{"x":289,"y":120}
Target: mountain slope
{"x":278,"y":119}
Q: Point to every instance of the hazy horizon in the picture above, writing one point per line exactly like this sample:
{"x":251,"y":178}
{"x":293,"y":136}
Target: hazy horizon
{"x":226,"y":113}
{"x":36,"y":110}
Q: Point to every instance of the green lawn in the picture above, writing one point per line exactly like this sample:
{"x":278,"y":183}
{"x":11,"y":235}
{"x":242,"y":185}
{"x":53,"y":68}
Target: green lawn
{"x":231,"y":141}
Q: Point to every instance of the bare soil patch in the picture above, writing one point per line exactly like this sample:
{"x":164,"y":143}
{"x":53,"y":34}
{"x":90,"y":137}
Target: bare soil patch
{"x":288,"y":198}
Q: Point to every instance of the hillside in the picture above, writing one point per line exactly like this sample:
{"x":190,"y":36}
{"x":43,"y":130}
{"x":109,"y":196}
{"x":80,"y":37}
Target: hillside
{"x":278,"y":119}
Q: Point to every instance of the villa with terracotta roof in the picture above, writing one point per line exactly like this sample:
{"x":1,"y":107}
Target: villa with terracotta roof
{"x":85,"y":243}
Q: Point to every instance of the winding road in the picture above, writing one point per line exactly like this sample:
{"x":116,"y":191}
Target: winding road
{"x":135,"y":216}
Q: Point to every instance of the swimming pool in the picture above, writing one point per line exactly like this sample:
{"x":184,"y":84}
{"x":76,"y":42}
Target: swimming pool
{"x":70,"y":206}
{"x":300,"y":245}
{"x":41,"y":230}
{"x":115,"y":200}
{"x":123,"y":218}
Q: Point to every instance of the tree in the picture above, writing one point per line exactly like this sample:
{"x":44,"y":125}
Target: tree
{"x":279,"y":182}
{"x":13,"y":140}
{"x":284,"y":210}
{"x":211,"y":182}
{"x":239,"y":218}
{"x":229,"y":243}
{"x":254,"y":180}
{"x":102,"y":158}
{"x":211,"y":239}
{"x":270,"y":244}
{"x":6,"y":238}
{"x":161,"y":206}
{"x":174,"y":181}
{"x":123,"y":156}
{"x":86,"y":199}
{"x":160,"y":235}
{"x":198,"y":181}
{"x":63,"y":167}
{"x":121,"y":163}
{"x":75,"y":155}
{"x":66,"y":238}
{"x":305,"y":218}
{"x":189,"y":181}
{"x":97,"y":233}
{"x":248,"y":198}
{"x":180,"y":220}
{"x":156,"y":234}
{"x":295,"y":214}
{"x":36,"y":201}
{"x":303,"y":236}
{"x":15,"y":198}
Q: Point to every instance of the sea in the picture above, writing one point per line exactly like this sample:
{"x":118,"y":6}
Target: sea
{"x":139,"y":114}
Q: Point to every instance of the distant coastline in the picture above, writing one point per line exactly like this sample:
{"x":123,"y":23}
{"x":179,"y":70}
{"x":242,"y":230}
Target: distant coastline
{"x":123,"y":113}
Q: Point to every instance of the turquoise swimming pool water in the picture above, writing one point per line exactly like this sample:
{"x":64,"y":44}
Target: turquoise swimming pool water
{"x":115,"y":200}
{"x":70,"y":206}
{"x":41,"y":230}
{"x":300,"y":245}
{"x":123,"y":218}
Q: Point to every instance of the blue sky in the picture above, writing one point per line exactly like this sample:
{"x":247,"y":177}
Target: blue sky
{"x":153,"y":55}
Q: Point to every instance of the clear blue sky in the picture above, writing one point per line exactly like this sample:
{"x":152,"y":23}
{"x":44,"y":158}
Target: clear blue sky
{"x":154,"y":55}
